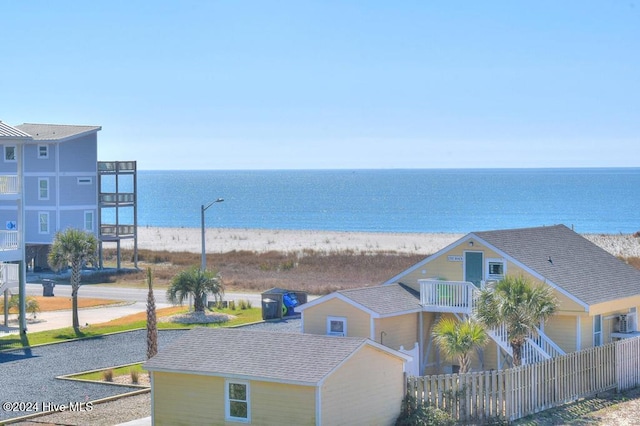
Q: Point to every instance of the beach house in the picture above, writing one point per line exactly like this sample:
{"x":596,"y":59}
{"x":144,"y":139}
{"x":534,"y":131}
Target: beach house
{"x":230,"y":376}
{"x":598,"y":297}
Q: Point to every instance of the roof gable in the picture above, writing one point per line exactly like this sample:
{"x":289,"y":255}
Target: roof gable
{"x":269,"y":356}
{"x":568,"y":260}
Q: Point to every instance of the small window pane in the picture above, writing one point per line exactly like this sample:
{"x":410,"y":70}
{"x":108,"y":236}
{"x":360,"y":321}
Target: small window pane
{"x":43,"y":151}
{"x":10,"y":153}
{"x":337,"y":326}
{"x":237,"y":391}
{"x":238,"y":409}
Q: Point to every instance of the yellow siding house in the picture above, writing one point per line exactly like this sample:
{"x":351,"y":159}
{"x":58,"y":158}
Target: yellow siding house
{"x":238,"y":376}
{"x":598,"y":296}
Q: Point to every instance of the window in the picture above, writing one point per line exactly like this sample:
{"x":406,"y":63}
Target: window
{"x":84,"y":181}
{"x":43,"y":151}
{"x":9,"y":153}
{"x":43,"y":226}
{"x":88,"y":221}
{"x":495,"y":269}
{"x":236,"y":397}
{"x":43,"y":189}
{"x":597,"y":330}
{"x":336,"y":326}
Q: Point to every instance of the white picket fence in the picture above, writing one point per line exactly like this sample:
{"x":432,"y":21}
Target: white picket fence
{"x":518,"y":392}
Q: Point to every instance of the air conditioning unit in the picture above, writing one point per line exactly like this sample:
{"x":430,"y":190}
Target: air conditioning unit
{"x":626,"y":323}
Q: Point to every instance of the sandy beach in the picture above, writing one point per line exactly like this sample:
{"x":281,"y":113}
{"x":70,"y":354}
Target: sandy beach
{"x":221,"y":240}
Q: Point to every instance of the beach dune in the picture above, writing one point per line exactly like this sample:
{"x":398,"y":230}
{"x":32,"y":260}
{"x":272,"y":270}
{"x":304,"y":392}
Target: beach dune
{"x":222,"y":240}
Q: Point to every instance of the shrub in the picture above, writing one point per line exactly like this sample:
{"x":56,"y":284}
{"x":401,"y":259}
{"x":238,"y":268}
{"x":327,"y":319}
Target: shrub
{"x":414,"y":414}
{"x":107,"y":375}
{"x":232,"y":305}
{"x":135,"y":375}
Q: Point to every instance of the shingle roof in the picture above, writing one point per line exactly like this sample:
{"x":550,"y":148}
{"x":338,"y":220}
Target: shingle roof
{"x":569,"y":260}
{"x":385,"y":300}
{"x":53,"y":132}
{"x":7,"y":131}
{"x":272,"y":356}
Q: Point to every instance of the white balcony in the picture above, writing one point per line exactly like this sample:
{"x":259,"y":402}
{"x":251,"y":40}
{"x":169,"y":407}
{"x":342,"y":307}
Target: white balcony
{"x":9,"y":240}
{"x":9,"y":275}
{"x":9,"y":185}
{"x":447,"y":296}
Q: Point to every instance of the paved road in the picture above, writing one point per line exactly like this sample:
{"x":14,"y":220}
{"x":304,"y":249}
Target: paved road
{"x":126,"y":294}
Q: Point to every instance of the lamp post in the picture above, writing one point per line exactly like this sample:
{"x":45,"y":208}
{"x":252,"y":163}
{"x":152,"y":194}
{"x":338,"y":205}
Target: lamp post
{"x":203,"y":265}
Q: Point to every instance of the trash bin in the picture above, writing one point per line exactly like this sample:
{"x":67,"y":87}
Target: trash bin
{"x":47,"y":288}
{"x":270,"y":309}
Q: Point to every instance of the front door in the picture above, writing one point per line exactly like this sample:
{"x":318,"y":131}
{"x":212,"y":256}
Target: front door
{"x":473,"y":267}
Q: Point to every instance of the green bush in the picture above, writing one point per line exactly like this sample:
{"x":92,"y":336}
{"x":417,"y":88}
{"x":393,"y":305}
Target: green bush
{"x":414,"y":414}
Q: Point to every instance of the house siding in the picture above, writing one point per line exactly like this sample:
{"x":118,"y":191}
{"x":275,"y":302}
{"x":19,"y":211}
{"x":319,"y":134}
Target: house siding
{"x":562,"y":330}
{"x":401,"y":330}
{"x":188,"y":399}
{"x":315,"y":318}
{"x":79,"y":155}
{"x":33,"y":164}
{"x":181,"y":399}
{"x":352,"y":395}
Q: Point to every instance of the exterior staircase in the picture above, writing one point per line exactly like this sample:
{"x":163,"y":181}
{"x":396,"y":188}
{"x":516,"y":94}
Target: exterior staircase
{"x":460,"y":297}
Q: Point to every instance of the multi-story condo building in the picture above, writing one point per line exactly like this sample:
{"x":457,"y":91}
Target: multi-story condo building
{"x":50,"y":181}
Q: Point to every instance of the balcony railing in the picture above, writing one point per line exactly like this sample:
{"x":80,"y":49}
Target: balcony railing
{"x":113,"y":166}
{"x":9,"y":240}
{"x":447,"y":296}
{"x":117,"y":198}
{"x":9,"y":184}
{"x":115,"y":231}
{"x":9,"y":275}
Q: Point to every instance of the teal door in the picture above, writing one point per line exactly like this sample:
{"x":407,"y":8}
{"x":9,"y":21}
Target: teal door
{"x":473,"y":267}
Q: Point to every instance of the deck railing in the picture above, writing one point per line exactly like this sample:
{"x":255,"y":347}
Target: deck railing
{"x":9,"y":184}
{"x":9,"y":275}
{"x":447,"y":296}
{"x":9,"y":240}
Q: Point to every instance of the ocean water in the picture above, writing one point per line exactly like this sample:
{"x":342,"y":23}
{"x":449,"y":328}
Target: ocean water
{"x":603,"y":200}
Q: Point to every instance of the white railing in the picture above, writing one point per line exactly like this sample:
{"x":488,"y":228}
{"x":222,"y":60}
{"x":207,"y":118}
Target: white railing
{"x":535,"y":349}
{"x":9,"y":275}
{"x":9,"y":184}
{"x":9,"y":240}
{"x":447,"y":296}
{"x":461,"y":297}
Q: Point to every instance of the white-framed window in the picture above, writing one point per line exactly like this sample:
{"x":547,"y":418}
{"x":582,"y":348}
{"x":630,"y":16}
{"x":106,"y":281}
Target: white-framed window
{"x":43,"y":188}
{"x":597,"y":330}
{"x":43,"y":152}
{"x":10,"y":153}
{"x":88,"y":220}
{"x":496,"y":269}
{"x":336,"y":326}
{"x":43,"y":222}
{"x":84,"y":181}
{"x":237,"y":401}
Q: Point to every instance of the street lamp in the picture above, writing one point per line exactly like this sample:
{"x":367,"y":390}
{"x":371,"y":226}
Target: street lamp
{"x":203,"y":265}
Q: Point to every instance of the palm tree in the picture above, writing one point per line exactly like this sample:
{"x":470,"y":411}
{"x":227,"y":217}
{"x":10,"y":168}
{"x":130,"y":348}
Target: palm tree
{"x":73,"y":248}
{"x":196,"y":283}
{"x":520,"y":306}
{"x":458,"y":338}
{"x":152,"y":324}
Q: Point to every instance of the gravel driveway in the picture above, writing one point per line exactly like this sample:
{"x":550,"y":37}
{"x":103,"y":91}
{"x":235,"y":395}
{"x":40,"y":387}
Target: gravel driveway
{"x":29,"y":376}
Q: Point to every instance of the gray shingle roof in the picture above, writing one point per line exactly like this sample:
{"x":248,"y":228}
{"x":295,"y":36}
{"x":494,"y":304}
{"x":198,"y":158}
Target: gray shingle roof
{"x":578,"y":266}
{"x":385,"y":300}
{"x":7,"y":131}
{"x":53,"y":132}
{"x":272,"y":356}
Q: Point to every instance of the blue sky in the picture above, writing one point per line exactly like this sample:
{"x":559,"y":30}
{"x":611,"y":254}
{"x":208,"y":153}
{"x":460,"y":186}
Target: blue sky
{"x":332,"y":84}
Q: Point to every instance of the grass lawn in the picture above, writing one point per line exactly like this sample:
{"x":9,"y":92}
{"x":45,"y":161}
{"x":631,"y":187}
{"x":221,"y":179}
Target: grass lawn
{"x":130,"y":322}
{"x":58,"y":303}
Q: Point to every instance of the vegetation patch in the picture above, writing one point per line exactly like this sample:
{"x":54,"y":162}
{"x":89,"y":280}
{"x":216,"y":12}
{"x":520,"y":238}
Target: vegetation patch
{"x":125,"y":375}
